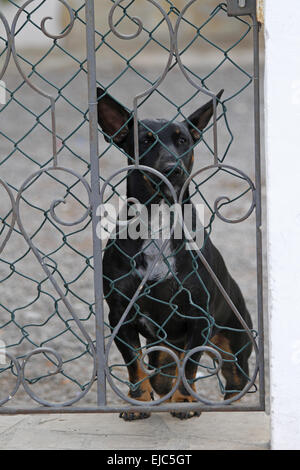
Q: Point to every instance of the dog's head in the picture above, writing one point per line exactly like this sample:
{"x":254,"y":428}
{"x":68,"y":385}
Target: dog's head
{"x":163,"y":145}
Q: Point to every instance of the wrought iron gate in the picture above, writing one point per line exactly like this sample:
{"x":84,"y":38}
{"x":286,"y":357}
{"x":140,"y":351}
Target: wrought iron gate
{"x":74,"y":305}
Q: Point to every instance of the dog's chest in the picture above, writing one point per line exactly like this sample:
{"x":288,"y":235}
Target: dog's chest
{"x":164,"y":267}
{"x":158,"y":241}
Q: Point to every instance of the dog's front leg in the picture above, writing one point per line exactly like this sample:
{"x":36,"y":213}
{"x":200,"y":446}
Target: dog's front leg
{"x":128,"y":343}
{"x":182,"y":395}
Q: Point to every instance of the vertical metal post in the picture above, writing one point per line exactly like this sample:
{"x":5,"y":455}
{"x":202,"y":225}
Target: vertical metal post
{"x":256,"y":83}
{"x":95,"y":186}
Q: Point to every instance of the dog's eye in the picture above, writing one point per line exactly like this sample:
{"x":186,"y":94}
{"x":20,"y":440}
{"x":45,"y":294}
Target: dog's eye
{"x":148,"y":139}
{"x":182,"y":140}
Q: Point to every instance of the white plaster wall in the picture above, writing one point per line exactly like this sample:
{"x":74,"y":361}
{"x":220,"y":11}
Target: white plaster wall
{"x":282,"y":97}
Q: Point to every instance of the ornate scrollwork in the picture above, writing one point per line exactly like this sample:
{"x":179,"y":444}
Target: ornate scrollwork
{"x":114,"y":29}
{"x":12,"y":49}
{"x":13,"y":45}
{"x":220,"y":166}
{"x":218,"y":358}
{"x":50,"y":276}
{"x":12,"y":52}
{"x":200,"y":349}
{"x":174,"y":50}
{"x":68,"y":29}
{"x":35,"y":397}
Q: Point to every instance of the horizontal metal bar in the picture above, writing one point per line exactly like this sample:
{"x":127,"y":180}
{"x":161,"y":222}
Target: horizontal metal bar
{"x":118,"y":409}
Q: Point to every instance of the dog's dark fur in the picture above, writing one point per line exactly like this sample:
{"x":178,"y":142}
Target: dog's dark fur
{"x":186,"y":327}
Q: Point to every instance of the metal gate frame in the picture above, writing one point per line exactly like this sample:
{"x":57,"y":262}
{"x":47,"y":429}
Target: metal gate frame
{"x":235,"y":8}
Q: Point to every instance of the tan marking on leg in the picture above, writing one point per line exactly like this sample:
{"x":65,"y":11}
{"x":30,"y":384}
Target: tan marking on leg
{"x":178,"y":396}
{"x":145,"y":385}
{"x":230,"y":372}
{"x":221,"y":342}
{"x":144,"y":392}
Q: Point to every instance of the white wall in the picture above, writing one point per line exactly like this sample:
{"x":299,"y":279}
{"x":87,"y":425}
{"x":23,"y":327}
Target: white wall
{"x":282,"y":88}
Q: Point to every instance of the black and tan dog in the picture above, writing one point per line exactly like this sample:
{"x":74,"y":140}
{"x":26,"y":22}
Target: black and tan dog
{"x":169,"y":311}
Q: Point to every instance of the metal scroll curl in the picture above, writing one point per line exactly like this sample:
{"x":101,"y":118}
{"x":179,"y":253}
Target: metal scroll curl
{"x":21,"y":10}
{"x":12,"y":49}
{"x":68,"y":28}
{"x":217,"y":205}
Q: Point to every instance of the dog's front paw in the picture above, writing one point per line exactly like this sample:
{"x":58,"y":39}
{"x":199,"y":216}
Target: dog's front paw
{"x":133,"y":415}
{"x":143,"y":395}
{"x":180,"y":397}
{"x":185,"y":414}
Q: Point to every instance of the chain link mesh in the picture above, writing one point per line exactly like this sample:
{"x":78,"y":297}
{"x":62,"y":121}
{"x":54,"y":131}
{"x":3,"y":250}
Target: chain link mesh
{"x":32,"y":312}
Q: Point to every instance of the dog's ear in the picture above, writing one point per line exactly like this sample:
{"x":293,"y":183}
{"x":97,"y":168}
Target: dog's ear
{"x":112,"y":117}
{"x":200,"y":118}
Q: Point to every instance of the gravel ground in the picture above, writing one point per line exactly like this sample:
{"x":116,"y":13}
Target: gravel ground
{"x":32,"y":313}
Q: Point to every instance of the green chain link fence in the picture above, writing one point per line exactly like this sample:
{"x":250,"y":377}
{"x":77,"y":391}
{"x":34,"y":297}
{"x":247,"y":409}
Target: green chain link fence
{"x":32,"y":313}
